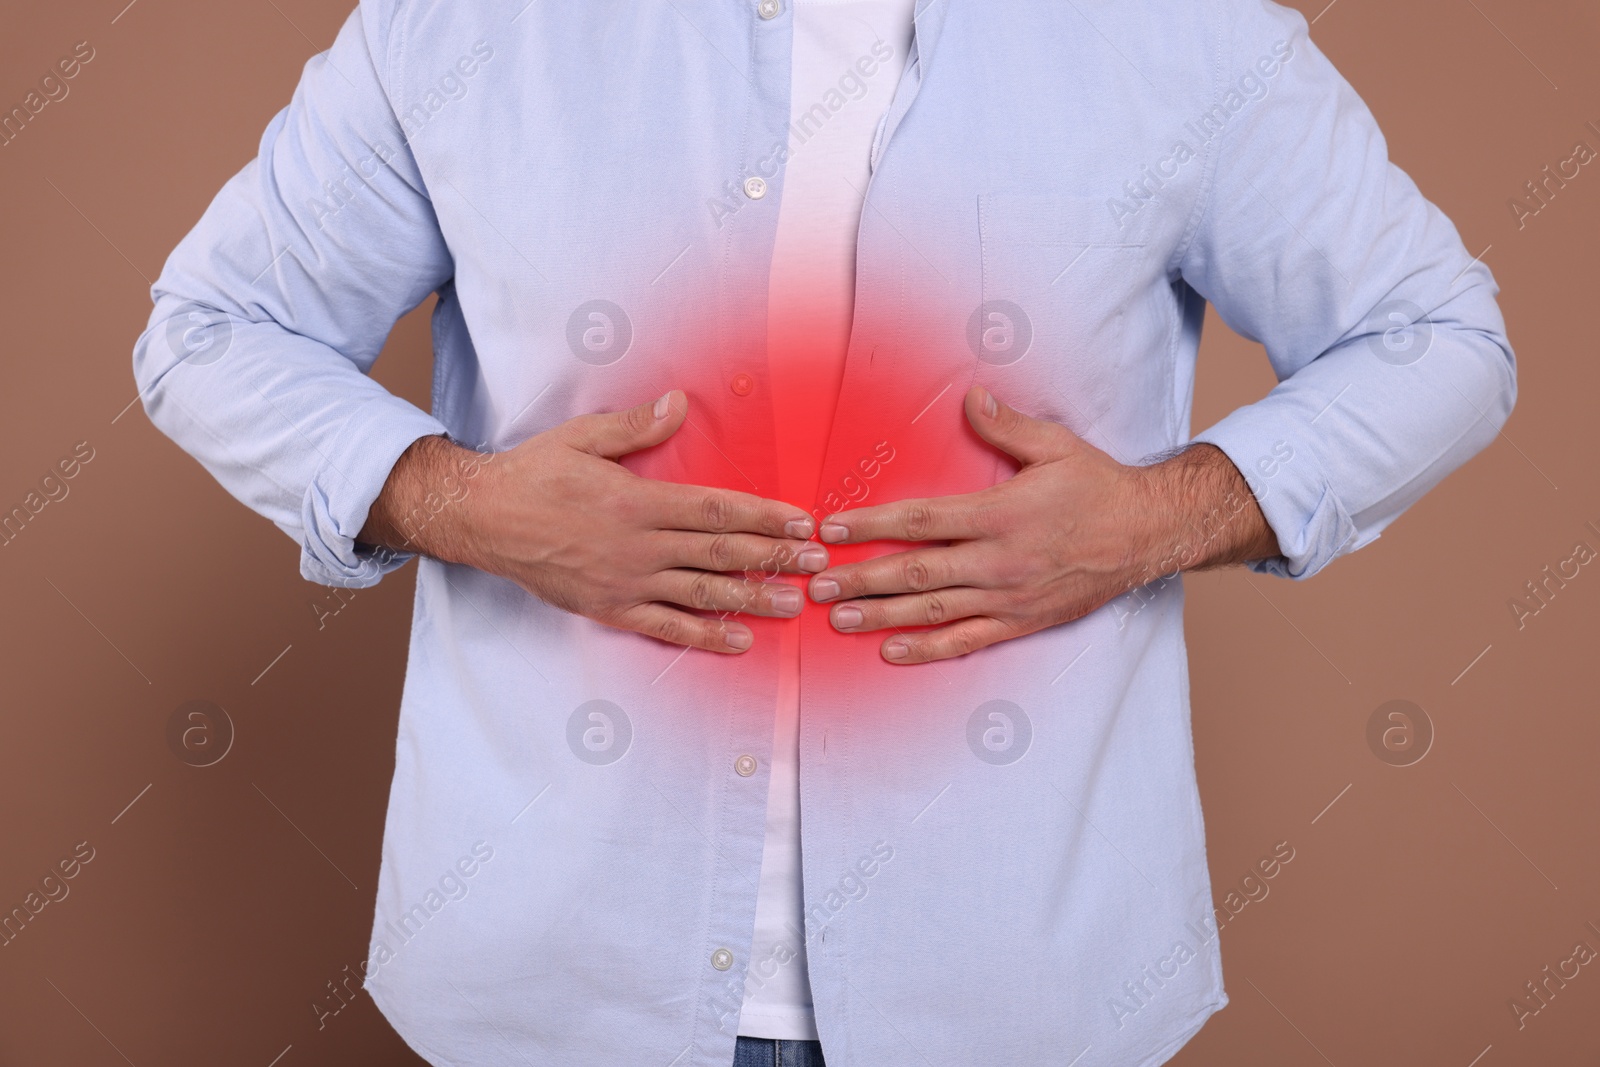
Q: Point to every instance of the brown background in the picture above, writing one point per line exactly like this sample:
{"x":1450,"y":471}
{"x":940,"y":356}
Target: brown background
{"x":207,"y":923}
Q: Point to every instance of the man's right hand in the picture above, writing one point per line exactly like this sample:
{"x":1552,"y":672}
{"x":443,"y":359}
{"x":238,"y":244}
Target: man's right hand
{"x":558,"y":515}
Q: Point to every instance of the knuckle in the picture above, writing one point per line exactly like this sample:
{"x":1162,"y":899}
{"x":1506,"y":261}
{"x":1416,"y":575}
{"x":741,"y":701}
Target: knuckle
{"x":636,"y":419}
{"x":916,"y":575}
{"x":918,"y":521}
{"x":720,"y":553}
{"x":672,"y":628}
{"x":935,"y":609}
{"x":708,"y":635}
{"x":781,"y":556}
{"x":702,"y":592}
{"x":714,"y":512}
{"x":965,"y":640}
{"x":766,"y":517}
{"x":746,"y":593}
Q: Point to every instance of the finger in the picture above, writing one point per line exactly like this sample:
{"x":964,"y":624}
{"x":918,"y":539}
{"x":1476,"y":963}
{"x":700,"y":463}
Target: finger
{"x":739,"y":552}
{"x":707,"y":510}
{"x":616,"y":433}
{"x":947,"y":642}
{"x":944,"y":518}
{"x":676,"y":627}
{"x":913,"y":609}
{"x":913,"y":571}
{"x":1028,"y":439}
{"x":709,"y":591}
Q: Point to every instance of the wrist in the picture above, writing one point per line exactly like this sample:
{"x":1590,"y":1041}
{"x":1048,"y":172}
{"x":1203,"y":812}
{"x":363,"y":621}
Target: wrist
{"x":426,"y":505}
{"x":1201,"y":513}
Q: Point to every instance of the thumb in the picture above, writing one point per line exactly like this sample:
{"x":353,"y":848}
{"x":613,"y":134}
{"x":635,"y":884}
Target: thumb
{"x":1023,"y":437}
{"x":616,"y":433}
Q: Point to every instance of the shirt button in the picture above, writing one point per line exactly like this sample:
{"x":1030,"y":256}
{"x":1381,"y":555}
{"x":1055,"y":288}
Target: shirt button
{"x":745,"y":765}
{"x":742,"y":384}
{"x":769,"y":9}
{"x":722,"y":959}
{"x":755,"y":188}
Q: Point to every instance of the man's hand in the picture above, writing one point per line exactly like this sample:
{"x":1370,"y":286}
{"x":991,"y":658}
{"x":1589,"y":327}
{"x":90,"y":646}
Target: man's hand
{"x":1070,"y":531}
{"x":562,"y":518}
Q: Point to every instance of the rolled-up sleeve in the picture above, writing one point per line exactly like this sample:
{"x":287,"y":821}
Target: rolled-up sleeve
{"x":1390,"y":352}
{"x":270,"y":313}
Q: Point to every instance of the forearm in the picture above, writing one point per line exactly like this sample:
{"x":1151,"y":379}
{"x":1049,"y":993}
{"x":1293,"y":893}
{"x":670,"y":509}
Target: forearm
{"x":266,"y":323}
{"x":1201,"y":514}
{"x":424,"y":505}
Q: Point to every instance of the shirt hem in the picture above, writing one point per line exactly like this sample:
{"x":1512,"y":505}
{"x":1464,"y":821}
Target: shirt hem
{"x":1166,"y":1052}
{"x":790,"y":1026}
{"x":393,"y":1018}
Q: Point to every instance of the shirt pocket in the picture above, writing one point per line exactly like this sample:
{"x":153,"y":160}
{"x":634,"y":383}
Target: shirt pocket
{"x":1076,"y":317}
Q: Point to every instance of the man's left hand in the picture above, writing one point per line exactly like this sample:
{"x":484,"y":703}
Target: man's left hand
{"x":1071,"y":530}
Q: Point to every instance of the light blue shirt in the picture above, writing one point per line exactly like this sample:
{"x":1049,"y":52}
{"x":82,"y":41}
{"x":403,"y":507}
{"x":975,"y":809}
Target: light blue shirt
{"x":1004,"y":859}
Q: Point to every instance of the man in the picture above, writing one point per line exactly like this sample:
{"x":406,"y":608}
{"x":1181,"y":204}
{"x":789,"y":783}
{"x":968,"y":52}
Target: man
{"x":797,"y":662}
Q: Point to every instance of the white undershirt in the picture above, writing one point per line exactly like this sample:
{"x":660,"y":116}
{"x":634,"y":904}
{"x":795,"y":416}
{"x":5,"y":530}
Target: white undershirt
{"x":848,"y":58}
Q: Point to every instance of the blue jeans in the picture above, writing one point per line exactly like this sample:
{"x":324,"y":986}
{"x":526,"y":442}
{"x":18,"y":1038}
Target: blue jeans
{"x":764,"y":1052}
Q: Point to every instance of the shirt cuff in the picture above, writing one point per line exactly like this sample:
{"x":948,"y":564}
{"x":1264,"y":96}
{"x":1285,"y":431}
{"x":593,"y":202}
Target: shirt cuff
{"x":352,"y":475}
{"x":1305,"y":513}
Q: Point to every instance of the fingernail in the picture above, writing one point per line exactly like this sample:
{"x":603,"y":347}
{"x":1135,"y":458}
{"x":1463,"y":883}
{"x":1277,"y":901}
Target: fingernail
{"x":800,"y":528}
{"x":832,"y":532}
{"x":824,"y":589}
{"x":844,"y":618}
{"x":739,"y":639}
{"x":663,"y":406}
{"x":813,"y":560}
{"x":990,"y":408}
{"x":896,"y":649}
{"x":787,"y":600}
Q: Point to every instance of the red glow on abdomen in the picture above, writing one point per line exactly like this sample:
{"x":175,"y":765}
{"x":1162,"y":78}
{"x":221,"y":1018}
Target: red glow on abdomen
{"x":780,"y":413}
